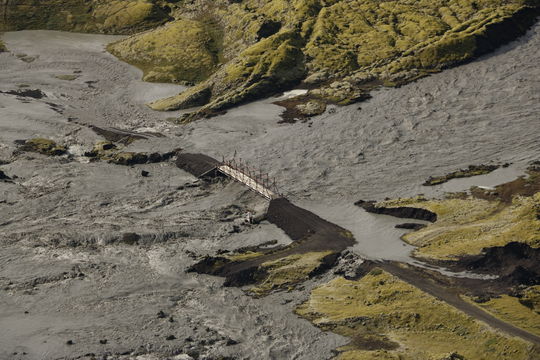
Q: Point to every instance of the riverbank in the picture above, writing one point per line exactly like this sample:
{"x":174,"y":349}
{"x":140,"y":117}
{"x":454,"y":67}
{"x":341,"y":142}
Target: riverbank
{"x":65,"y":217}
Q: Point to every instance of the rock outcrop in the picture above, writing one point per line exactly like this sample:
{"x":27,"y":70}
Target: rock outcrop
{"x":239,"y":51}
{"x":43,"y":146}
{"x":341,"y":48}
{"x":101,"y":16}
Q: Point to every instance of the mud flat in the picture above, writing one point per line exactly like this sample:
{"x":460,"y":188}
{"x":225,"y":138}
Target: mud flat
{"x":69,"y":257}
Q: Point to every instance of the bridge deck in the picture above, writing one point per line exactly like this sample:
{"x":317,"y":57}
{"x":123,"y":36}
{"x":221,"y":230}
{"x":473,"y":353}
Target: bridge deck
{"x":248,"y":181}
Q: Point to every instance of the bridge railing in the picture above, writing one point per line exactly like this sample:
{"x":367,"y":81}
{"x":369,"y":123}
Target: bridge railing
{"x":255,"y":179}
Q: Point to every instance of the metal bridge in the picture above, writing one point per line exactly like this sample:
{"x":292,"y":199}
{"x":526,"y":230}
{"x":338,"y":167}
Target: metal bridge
{"x":203,"y":166}
{"x":254,"y":179}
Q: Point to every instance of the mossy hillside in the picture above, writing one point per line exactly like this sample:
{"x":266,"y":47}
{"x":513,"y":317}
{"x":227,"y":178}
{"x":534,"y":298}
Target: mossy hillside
{"x":406,"y":322}
{"x":122,"y":16}
{"x":363,"y":35}
{"x":273,"y":63}
{"x":466,"y":226}
{"x":182,"y":50}
{"x":522,"y":312}
{"x":269,"y":46}
{"x":352,"y":42}
{"x":115,"y":16}
{"x":197,"y":95}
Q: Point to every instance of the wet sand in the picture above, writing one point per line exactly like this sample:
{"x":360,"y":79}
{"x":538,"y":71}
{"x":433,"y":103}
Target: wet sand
{"x":69,"y":217}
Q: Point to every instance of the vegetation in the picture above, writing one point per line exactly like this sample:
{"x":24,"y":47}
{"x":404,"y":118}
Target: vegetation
{"x":110,"y":152}
{"x":43,"y":146}
{"x":348,"y":44}
{"x":472,"y":170}
{"x":522,"y":311}
{"x":116,"y":16}
{"x":467,"y":224}
{"x":286,"y":272}
{"x":180,"y":51}
{"x":387,"y":318}
{"x":240,"y":51}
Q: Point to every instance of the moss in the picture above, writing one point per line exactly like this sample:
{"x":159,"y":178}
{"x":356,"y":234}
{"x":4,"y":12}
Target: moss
{"x":458,"y":235}
{"x":265,"y":68}
{"x":473,"y":170}
{"x":421,"y":326}
{"x":522,"y":312}
{"x":3,"y":47}
{"x":110,"y":152}
{"x":286,"y":272}
{"x":44,"y":146}
{"x":107,"y":151}
{"x":466,"y":224}
{"x":116,"y":16}
{"x":195,"y":96}
{"x":250,"y":49}
{"x":128,"y":158}
{"x":396,"y":42}
{"x":179,"y":51}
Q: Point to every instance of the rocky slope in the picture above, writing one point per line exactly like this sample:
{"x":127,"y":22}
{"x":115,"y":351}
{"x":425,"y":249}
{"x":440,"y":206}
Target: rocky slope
{"x":238,"y":51}
{"x":341,"y":49}
{"x":102,"y":16}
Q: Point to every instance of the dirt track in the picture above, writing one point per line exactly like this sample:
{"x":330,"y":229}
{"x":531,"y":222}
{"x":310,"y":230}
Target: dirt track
{"x":450,"y":296}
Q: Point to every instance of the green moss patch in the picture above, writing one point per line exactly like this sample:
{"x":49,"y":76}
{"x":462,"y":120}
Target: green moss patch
{"x":522,"y":311}
{"x":43,"y":146}
{"x":183,"y":50}
{"x":114,"y":154}
{"x":387,"y":318}
{"x":286,"y":272}
{"x":115,"y":16}
{"x":472,"y":170}
{"x":469,"y":223}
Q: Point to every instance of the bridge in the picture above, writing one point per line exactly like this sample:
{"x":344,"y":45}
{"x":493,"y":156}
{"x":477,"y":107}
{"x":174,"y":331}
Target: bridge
{"x":203,"y":166}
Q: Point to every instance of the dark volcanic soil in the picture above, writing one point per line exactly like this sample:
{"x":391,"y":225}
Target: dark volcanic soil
{"x":32,"y":93}
{"x":309,"y":232}
{"x":117,"y":135}
{"x":515,"y":264}
{"x":522,"y":186}
{"x":196,"y":164}
{"x":400,"y":212}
